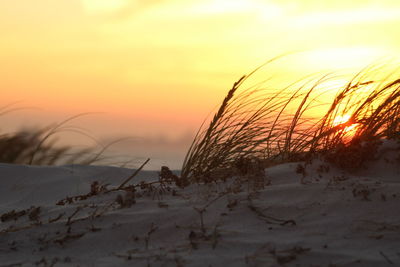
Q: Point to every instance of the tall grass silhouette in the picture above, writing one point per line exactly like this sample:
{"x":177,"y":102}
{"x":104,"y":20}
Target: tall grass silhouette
{"x":282,"y":124}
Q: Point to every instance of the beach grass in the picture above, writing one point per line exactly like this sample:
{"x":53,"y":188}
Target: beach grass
{"x":40,"y":146}
{"x":275,"y":125}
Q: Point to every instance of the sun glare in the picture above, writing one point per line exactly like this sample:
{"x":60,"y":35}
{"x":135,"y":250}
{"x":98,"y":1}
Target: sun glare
{"x":344,"y":121}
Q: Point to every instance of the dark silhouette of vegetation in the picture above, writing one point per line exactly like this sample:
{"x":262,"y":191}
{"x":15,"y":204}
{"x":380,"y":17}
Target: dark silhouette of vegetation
{"x":278,"y":125}
{"x":40,"y":146}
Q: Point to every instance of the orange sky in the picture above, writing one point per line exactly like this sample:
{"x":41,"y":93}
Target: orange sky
{"x":158,"y":67}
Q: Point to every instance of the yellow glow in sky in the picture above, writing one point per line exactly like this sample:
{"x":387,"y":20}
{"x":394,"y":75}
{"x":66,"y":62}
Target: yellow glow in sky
{"x":104,"y":6}
{"x":162,"y":65}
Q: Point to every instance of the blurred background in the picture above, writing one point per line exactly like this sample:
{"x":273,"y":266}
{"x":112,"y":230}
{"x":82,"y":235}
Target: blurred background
{"x":153,"y":70}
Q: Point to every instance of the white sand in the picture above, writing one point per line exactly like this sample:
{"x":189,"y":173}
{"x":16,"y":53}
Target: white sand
{"x":341,"y":219}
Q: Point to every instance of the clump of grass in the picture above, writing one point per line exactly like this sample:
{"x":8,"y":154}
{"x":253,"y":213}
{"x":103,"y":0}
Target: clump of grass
{"x":40,"y":146}
{"x":20,"y":147}
{"x":281,"y":124}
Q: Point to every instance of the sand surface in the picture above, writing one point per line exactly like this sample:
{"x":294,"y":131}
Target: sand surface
{"x":323,"y":217}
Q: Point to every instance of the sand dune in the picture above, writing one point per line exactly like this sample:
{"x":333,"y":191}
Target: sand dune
{"x":323,"y":217}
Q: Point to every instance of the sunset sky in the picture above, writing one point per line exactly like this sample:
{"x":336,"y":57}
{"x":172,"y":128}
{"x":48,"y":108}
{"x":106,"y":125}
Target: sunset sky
{"x":154,"y":69}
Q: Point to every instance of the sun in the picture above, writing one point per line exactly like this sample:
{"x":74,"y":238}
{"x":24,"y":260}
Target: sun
{"x":343,"y":122}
